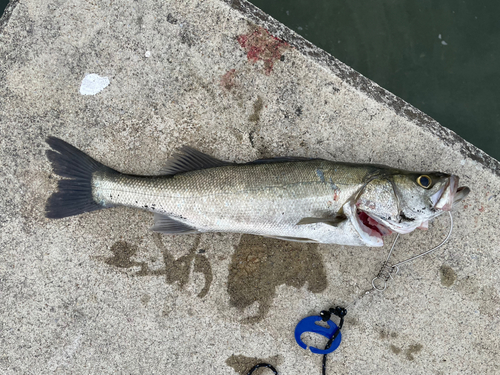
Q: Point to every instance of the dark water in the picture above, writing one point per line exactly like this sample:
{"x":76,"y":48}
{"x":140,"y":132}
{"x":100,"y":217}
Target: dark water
{"x":442,"y":57}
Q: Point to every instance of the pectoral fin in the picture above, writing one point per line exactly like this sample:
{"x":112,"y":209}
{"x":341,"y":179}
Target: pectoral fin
{"x":333,"y":221}
{"x":293,"y":239}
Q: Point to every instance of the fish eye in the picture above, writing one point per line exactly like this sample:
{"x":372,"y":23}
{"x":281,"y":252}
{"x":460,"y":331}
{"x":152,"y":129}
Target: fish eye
{"x":424,"y":181}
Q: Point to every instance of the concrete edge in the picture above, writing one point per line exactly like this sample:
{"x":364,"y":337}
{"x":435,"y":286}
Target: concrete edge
{"x":365,"y":85}
{"x":347,"y":74}
{"x":5,"y":17}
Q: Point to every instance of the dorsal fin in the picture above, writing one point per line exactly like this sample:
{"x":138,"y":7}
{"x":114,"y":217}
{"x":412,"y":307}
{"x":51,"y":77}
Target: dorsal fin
{"x":189,"y":159}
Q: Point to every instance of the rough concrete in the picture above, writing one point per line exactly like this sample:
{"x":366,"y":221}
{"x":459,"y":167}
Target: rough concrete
{"x":99,"y":293}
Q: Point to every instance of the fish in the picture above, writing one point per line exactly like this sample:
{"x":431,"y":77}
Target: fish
{"x":290,"y":198}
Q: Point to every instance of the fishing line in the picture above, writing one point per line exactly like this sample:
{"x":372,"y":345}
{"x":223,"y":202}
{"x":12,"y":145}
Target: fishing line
{"x":386,"y":272}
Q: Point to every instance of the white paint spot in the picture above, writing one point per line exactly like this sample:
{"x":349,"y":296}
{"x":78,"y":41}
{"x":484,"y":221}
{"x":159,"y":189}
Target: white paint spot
{"x":444,"y":43}
{"x":439,"y":36}
{"x":147,"y":54}
{"x":92,"y":84}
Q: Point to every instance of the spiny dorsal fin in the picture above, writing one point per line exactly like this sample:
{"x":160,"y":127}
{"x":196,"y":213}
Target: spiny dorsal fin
{"x":167,"y":225}
{"x":189,"y":159}
{"x":333,"y":221}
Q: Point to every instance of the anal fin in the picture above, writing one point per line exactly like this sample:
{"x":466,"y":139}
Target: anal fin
{"x":166,"y":225}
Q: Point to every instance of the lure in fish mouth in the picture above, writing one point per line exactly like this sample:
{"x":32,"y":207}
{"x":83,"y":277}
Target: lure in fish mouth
{"x":295,"y":199}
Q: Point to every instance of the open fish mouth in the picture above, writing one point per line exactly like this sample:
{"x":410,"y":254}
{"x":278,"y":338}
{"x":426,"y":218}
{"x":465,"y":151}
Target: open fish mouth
{"x":449,"y":194}
{"x":370,"y":231}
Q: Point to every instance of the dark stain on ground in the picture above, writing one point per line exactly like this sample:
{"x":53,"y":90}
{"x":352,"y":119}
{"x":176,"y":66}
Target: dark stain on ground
{"x":171,"y":19}
{"x":413,"y":349}
{"x":384,"y":334}
{"x":259,"y":44}
{"x":395,"y":349}
{"x":260,"y":264}
{"x":122,"y":254}
{"x":448,"y":275}
{"x":242,"y":364}
{"x":228,"y":79}
{"x":257,"y":108}
{"x":175,"y":270}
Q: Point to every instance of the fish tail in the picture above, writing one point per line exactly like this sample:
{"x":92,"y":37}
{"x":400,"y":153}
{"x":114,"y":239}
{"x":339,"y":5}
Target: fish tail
{"x":74,"y":195}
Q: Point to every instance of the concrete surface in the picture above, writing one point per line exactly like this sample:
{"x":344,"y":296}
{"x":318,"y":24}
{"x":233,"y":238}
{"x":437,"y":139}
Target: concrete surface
{"x":99,"y":293}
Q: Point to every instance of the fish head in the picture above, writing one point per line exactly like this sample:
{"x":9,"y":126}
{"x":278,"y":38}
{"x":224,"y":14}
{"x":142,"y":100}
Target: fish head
{"x":404,"y":201}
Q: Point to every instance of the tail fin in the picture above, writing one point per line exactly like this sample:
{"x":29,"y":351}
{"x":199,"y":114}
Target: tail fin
{"x":74,"y":195}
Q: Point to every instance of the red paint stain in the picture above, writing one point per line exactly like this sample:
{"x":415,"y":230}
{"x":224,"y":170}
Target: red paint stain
{"x":261,"y":45}
{"x":481,"y":209}
{"x":227,"y":80}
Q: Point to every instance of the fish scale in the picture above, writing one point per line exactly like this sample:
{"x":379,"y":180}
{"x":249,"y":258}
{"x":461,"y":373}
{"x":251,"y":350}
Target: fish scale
{"x":251,"y":198}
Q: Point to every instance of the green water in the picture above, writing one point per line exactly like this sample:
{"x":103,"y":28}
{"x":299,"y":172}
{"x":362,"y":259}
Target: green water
{"x":443,"y":57}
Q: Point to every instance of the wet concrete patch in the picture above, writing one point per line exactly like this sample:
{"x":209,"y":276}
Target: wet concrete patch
{"x":228,"y":79}
{"x":448,"y":275}
{"x":396,"y":350}
{"x":413,"y":349}
{"x":260,"y":264}
{"x":385,"y":335}
{"x":257,"y":108}
{"x":176,"y":271}
{"x":122,"y":254}
{"x":242,"y":364}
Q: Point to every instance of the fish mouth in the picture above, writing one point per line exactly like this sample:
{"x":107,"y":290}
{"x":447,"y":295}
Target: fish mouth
{"x":450,"y":194}
{"x":370,"y":231}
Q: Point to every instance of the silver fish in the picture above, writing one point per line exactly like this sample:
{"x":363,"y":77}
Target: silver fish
{"x":297,"y":199}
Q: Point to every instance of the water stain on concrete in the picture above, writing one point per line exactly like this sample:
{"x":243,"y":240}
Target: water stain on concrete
{"x":413,"y":349}
{"x":242,"y":364}
{"x":228,"y":79}
{"x":175,"y":270}
{"x":257,"y":108}
{"x":122,"y":254}
{"x":179,"y":270}
{"x":260,"y":264}
{"x":385,"y":335}
{"x":448,"y":275}
{"x":396,"y":350}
